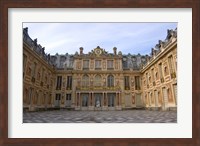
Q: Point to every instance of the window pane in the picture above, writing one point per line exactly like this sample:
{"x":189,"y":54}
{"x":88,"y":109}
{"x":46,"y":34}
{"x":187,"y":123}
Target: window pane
{"x":110,"y":64}
{"x":97,"y":63}
{"x":86,"y":64}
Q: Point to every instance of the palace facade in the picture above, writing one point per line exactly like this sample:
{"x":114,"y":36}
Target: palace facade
{"x":100,"y":80}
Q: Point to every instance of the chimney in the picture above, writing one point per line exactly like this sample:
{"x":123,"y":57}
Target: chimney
{"x":152,"y":51}
{"x":115,"y":50}
{"x":26,"y":29}
{"x":35,"y":42}
{"x":43,"y":50}
{"x":81,"y":50}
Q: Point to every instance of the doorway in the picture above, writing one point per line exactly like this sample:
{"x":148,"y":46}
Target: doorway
{"x":128,"y":101}
{"x":98,"y":98}
{"x":68,"y":100}
{"x":57,"y":100}
{"x":111,"y":99}
{"x":138,"y":100}
{"x":85,"y":98}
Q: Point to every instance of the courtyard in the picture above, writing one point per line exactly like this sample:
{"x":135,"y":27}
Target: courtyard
{"x":126,"y":116}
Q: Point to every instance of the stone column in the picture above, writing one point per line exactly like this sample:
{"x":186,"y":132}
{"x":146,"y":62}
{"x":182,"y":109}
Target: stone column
{"x":75,"y":99}
{"x":31,"y":99}
{"x":106,"y":99}
{"x":102,"y":100}
{"x":45,"y":100}
{"x":89,"y":99}
{"x":80,"y":99}
{"x":116,"y":100}
{"x":93,"y":99}
{"x":120,"y":99}
{"x":149,"y":96}
{"x":30,"y":94}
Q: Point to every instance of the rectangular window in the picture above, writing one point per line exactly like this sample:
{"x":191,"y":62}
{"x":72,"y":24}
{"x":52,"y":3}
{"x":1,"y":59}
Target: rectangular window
{"x":59,"y":83}
{"x":68,"y":100}
{"x":97,"y":64}
{"x":85,"y":99}
{"x":24,"y":62}
{"x":33,"y":69}
{"x":125,"y":65}
{"x":85,"y":64}
{"x":58,"y":96}
{"x":48,"y":79}
{"x":147,"y":79}
{"x":85,"y":82}
{"x":110,"y":81}
{"x":152,"y":74}
{"x":170,"y":61}
{"x":160,"y":70}
{"x":43,"y":72}
{"x":137,"y":82}
{"x":57,"y":100}
{"x":69,"y":82}
{"x":171,"y":67}
{"x":126,"y":83}
{"x":68,"y":96}
{"x":110,"y":64}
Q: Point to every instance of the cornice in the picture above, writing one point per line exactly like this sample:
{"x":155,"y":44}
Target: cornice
{"x":95,"y":72}
{"x":160,"y":55}
{"x":28,"y":49}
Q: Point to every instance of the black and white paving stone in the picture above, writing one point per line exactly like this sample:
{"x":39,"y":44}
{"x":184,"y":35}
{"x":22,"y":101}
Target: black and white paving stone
{"x":127,"y":116}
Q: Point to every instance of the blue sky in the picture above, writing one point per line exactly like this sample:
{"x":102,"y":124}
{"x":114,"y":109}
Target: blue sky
{"x":131,"y":38}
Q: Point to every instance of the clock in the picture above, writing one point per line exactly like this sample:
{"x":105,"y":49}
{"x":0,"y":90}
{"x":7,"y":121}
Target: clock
{"x":98,"y":51}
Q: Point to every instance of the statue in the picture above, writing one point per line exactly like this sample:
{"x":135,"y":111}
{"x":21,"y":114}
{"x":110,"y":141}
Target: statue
{"x":98,"y":103}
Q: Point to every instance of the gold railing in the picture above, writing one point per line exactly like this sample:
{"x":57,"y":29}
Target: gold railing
{"x":95,"y":88}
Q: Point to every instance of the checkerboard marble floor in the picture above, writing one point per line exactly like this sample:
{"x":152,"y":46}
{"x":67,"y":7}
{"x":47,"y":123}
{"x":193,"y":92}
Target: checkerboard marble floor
{"x":127,"y":116}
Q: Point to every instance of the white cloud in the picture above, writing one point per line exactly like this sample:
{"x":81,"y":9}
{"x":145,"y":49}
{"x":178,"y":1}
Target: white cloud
{"x":127,"y":37}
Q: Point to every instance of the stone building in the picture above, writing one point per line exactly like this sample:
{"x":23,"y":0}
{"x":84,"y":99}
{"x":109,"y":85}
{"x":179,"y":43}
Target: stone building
{"x":99,"y":80}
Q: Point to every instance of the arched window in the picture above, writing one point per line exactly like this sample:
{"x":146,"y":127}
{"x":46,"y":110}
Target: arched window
{"x":110,"y":81}
{"x":97,"y":80}
{"x":85,"y":81}
{"x":166,"y":71}
{"x":156,"y":75}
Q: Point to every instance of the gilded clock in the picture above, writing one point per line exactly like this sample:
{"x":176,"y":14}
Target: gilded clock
{"x":98,"y":51}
